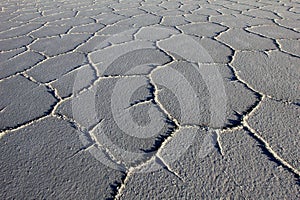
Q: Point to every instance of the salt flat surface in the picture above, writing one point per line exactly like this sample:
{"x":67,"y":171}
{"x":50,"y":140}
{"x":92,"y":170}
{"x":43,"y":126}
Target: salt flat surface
{"x":149,"y":99}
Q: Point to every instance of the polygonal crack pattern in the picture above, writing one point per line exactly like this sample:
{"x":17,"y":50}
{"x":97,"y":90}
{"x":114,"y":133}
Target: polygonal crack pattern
{"x":67,"y":71}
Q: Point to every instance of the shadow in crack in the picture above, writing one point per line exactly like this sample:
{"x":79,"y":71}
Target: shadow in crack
{"x":161,"y":138}
{"x":271,"y":157}
{"x":115,"y":186}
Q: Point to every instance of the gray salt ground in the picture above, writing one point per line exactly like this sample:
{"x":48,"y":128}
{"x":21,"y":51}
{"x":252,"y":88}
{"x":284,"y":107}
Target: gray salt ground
{"x":92,"y":103}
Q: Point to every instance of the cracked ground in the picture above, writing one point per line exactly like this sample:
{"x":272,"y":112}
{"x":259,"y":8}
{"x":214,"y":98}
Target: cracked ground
{"x":152,"y":99}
